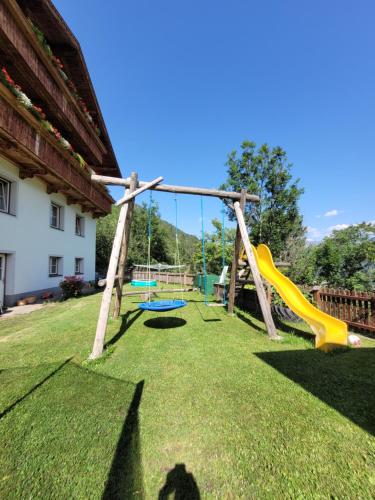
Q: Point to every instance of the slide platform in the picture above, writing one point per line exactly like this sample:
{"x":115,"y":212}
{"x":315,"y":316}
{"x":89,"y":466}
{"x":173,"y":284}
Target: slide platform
{"x":329,"y":332}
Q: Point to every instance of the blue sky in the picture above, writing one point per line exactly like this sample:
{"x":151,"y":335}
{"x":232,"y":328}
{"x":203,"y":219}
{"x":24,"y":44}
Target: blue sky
{"x":183,"y":83}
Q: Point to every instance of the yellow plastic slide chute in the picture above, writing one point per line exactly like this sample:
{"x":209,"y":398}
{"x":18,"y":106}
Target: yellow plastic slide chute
{"x":329,"y":332}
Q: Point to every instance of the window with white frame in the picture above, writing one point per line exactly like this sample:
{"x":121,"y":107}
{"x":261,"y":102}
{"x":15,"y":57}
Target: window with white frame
{"x":55,"y":266}
{"x":56,"y":216}
{"x":4,"y":195}
{"x":78,"y":265}
{"x":80,"y":225}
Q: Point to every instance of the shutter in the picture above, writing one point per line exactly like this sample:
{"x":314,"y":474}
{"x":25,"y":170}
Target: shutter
{"x":13,"y":192}
{"x":62,"y":218}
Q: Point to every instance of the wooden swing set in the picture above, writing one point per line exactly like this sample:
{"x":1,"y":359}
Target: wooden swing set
{"x":117,"y":262}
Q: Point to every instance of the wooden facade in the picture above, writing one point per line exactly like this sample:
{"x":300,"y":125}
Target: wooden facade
{"x":23,"y":139}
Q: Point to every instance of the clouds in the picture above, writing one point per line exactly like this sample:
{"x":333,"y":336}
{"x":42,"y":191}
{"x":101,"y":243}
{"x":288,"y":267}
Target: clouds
{"x":315,"y":234}
{"x":338,"y":227}
{"x":331,"y":213}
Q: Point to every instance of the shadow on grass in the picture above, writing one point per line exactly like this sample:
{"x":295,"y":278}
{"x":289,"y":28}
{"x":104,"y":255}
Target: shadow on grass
{"x":180,"y":483}
{"x":165,"y":322}
{"x":126,"y":323}
{"x":34,"y":388}
{"x":125,"y":478}
{"x":79,"y":432}
{"x":248,"y":321}
{"x":293,"y":329}
{"x":345,"y":381}
{"x":210,"y":309}
{"x":280,"y":325}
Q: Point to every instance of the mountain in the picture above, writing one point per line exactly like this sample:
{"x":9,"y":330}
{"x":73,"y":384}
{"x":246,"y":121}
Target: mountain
{"x":187,"y":242}
{"x":163,"y":242}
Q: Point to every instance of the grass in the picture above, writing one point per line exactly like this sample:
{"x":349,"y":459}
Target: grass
{"x":190,"y":401}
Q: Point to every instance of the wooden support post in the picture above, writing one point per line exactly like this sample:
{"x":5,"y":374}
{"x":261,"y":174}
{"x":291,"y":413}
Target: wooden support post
{"x":124,"y":247}
{"x":98,"y":346}
{"x":269,"y":293}
{"x":130,"y":195}
{"x":236,"y":256}
{"x":264,"y":305}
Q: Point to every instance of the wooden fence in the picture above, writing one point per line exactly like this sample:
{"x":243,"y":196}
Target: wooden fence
{"x":357,"y":309}
{"x":165,"y":277}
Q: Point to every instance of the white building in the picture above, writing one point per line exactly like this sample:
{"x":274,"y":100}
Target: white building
{"x":52,"y":137}
{"x":42,"y":239}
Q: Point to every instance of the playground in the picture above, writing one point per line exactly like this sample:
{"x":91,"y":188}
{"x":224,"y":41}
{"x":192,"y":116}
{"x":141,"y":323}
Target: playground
{"x":182,"y":394}
{"x":187,"y":250}
{"x":245,"y":416}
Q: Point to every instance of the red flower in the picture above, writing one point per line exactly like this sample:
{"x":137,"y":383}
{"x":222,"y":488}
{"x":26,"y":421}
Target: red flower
{"x":58,"y":62}
{"x":40,"y":111}
{"x":7,"y":77}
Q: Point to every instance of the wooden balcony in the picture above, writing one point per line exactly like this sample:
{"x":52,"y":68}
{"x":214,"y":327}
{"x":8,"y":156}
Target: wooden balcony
{"x":23,"y":140}
{"x":34,"y":70}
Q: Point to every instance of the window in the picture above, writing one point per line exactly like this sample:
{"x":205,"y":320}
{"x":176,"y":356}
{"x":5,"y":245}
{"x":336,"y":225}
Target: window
{"x":55,"y":266}
{"x":56,"y":218}
{"x":80,"y":226}
{"x":4,"y":195}
{"x":79,"y":265}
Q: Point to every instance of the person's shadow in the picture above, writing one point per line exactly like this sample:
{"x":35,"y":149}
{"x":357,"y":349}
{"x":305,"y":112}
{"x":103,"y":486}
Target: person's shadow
{"x":181,"y":483}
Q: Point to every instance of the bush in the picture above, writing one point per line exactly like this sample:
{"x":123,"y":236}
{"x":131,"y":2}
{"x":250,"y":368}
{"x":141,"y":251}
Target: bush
{"x":71,"y":286}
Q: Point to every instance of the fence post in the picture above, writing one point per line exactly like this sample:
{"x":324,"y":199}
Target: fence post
{"x":316,"y":296}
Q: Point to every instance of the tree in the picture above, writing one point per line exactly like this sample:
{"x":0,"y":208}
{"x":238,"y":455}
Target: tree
{"x":138,"y":248}
{"x":266,"y":172}
{"x":344,"y":259}
{"x":214,"y":248}
{"x":347,"y":258}
{"x":106,"y":228}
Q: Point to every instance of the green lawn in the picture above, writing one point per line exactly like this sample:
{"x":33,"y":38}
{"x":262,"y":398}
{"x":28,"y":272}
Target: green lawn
{"x":190,"y":401}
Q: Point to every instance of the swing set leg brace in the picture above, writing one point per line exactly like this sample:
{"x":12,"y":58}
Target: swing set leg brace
{"x":264,"y":305}
{"x":124,"y":247}
{"x":236,"y":256}
{"x":110,"y":281}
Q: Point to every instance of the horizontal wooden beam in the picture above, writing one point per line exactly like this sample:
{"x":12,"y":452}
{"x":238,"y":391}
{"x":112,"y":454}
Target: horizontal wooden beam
{"x":70,"y":200}
{"x":52,"y":188}
{"x":102,"y":282}
{"x":114,"y":181}
{"x":133,"y":194}
{"x":26,"y":174}
{"x":165,"y":290}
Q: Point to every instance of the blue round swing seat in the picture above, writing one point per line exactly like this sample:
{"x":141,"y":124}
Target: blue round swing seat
{"x":162,"y":305}
{"x":143,"y":283}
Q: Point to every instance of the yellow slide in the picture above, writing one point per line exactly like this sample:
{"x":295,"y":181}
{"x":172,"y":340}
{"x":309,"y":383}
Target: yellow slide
{"x":329,"y":332}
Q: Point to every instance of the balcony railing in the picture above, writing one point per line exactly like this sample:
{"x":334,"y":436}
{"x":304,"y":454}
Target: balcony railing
{"x":32,"y":147}
{"x":27,"y":56}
